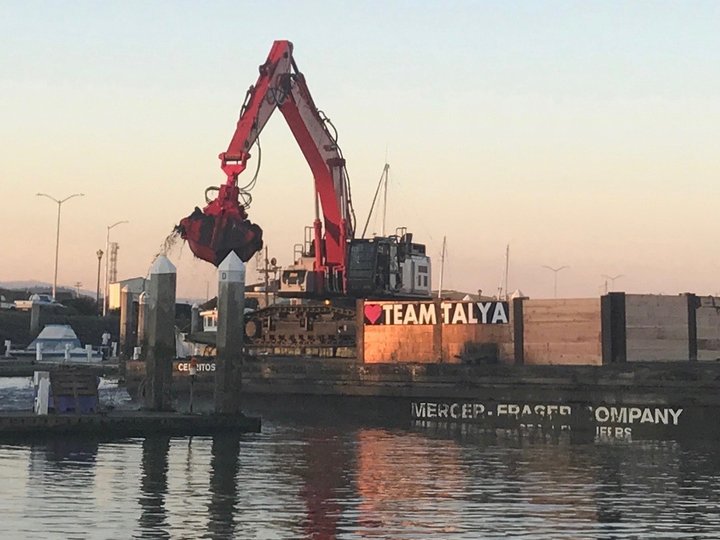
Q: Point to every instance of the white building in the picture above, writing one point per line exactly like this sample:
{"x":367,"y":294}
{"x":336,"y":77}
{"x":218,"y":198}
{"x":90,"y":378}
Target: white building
{"x":134,"y":285}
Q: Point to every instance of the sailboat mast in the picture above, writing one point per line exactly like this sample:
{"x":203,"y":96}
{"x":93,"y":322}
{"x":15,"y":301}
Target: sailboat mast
{"x":386,"y":171}
{"x":383,"y":179}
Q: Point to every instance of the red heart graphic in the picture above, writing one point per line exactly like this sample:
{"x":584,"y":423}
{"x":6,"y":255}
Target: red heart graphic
{"x":373,"y":312}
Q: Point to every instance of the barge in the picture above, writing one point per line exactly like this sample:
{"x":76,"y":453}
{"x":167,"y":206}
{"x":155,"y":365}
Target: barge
{"x":618,"y":366}
{"x":673,"y":400}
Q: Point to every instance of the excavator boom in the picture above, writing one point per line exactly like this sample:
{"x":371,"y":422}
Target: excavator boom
{"x":331,"y":267}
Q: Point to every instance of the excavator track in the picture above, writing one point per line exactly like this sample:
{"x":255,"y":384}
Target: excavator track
{"x":301,"y":329}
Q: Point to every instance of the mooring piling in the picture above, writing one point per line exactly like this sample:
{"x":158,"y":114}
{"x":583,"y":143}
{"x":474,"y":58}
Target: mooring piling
{"x":141,"y":323}
{"x":127,"y":323}
{"x":195,"y":322}
{"x":160,"y":326}
{"x":35,"y":312}
{"x":230,"y":334}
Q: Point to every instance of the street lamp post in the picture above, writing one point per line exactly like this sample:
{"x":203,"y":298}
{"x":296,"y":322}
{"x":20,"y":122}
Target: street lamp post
{"x":57,"y":233}
{"x":555,"y":271}
{"x":612,"y":281}
{"x":107,"y":266}
{"x":99,"y":254}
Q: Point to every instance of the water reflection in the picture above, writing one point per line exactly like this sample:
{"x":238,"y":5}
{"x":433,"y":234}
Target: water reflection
{"x":61,"y":453}
{"x":325,"y":480}
{"x":323,"y":469}
{"x":220,"y":490}
{"x":394,"y":483}
{"x":224,"y":480}
{"x":154,"y":488}
{"x":62,"y":469}
{"x":609,"y":488}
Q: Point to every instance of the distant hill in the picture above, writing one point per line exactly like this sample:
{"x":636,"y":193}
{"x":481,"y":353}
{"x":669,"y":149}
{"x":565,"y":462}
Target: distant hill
{"x":31,"y":285}
{"x":21,"y":289}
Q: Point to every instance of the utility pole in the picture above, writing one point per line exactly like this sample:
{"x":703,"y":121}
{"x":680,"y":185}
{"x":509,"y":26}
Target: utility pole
{"x":107,"y":266}
{"x":99,"y":254}
{"x":442,"y":268}
{"x":57,"y":234}
{"x":267,"y":278}
{"x":507,"y":266}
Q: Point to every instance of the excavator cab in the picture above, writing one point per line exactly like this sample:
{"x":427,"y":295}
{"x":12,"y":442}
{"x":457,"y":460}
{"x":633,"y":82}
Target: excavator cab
{"x":388,"y":267}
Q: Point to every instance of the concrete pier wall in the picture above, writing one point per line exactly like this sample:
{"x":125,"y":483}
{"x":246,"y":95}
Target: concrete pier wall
{"x":562,"y":331}
{"x":708,"y":329}
{"x":656,"y":328}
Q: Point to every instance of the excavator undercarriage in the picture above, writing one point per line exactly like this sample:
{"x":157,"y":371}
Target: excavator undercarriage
{"x":317,"y":330}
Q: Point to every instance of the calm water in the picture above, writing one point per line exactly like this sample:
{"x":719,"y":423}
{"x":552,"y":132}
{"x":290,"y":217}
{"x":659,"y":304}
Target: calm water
{"x":307,"y":477}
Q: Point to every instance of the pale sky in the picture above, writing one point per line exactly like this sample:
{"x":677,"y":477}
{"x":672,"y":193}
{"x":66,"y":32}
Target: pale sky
{"x":582,"y":134}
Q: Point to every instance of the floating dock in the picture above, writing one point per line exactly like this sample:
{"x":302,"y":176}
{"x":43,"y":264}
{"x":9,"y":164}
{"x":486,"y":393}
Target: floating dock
{"x":67,"y":402}
{"x":121,"y":424}
{"x":16,"y":367}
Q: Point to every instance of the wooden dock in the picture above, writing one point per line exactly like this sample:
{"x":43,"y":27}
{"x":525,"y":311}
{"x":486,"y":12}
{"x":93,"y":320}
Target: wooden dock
{"x":13,"y":367}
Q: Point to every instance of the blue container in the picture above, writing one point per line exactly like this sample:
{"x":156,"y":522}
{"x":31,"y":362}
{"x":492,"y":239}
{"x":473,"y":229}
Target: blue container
{"x":70,"y":404}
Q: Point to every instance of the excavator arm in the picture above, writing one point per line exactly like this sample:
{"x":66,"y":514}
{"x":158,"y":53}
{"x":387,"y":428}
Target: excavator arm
{"x":280,"y":85}
{"x":260,"y":103}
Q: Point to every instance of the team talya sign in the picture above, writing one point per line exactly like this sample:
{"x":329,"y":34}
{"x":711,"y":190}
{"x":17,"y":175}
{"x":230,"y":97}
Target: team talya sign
{"x":437,"y":312}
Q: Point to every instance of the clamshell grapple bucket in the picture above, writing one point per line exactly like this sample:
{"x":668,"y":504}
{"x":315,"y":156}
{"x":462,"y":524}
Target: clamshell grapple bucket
{"x":220,"y":228}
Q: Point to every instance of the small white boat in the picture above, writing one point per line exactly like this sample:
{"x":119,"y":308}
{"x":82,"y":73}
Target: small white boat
{"x":58,"y":342}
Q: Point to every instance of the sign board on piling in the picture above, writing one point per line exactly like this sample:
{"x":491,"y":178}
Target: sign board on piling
{"x":185,"y":368}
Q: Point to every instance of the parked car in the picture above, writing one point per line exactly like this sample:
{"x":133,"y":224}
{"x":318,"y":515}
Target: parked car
{"x":4,"y":304}
{"x":42,"y":299}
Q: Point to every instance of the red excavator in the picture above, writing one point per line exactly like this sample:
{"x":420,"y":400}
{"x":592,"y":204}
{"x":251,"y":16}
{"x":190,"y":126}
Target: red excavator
{"x":332,"y":265}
